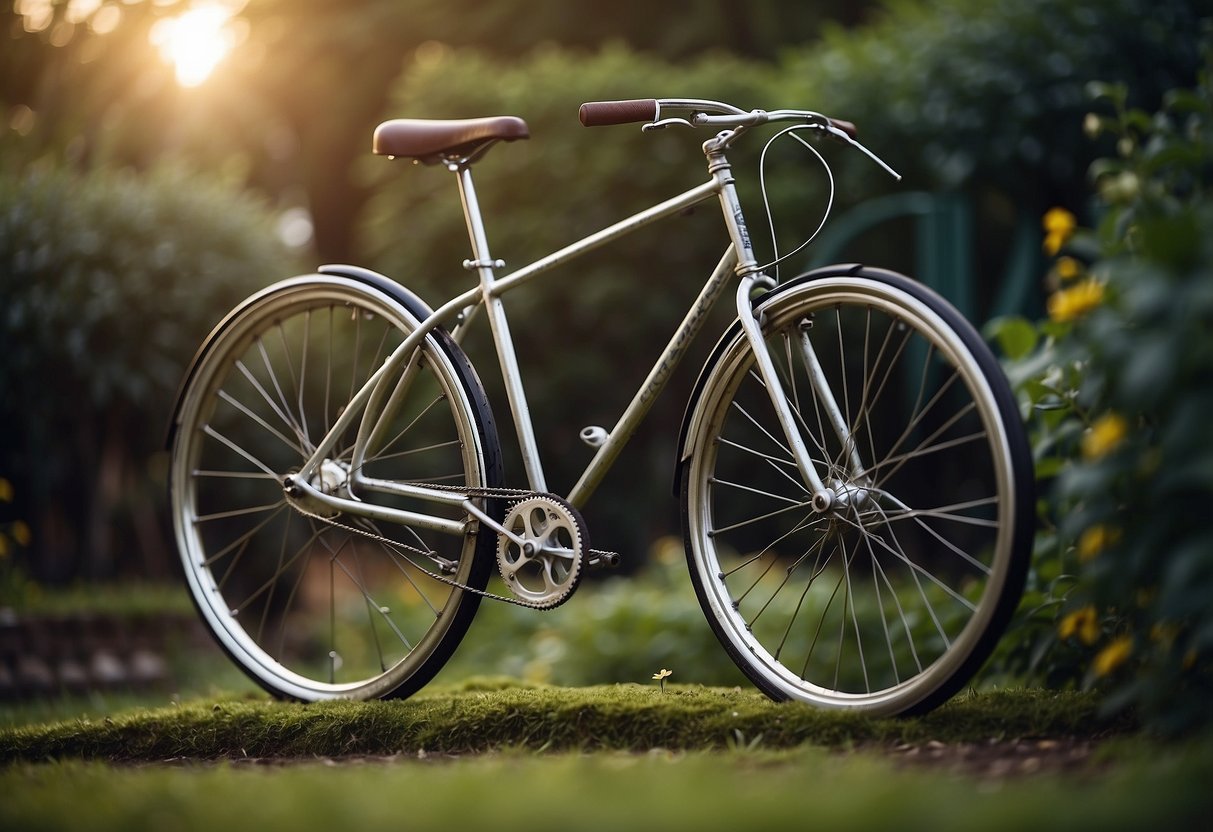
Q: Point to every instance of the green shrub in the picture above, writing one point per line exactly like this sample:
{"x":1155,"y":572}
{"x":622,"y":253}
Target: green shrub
{"x":613,"y":630}
{"x":109,"y":282}
{"x":1120,"y":383}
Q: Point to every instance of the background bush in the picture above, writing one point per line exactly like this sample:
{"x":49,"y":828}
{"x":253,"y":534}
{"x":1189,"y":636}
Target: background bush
{"x":109,"y":282}
{"x":1120,"y":386}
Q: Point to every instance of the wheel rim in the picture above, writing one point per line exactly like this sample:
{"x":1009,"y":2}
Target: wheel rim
{"x":881,"y":600}
{"x":316,"y":608}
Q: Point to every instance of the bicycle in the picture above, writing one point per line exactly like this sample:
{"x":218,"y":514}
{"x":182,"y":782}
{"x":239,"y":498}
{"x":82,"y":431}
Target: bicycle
{"x":855,"y":483}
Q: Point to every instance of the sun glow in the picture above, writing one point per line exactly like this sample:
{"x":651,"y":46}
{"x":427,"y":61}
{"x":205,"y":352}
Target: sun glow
{"x":195,"y":42}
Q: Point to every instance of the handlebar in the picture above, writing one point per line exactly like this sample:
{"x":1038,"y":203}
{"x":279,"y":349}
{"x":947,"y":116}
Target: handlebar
{"x":649,"y":110}
{"x":702,"y":113}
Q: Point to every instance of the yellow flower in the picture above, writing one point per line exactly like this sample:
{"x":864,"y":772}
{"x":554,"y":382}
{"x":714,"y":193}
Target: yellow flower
{"x":21,"y":533}
{"x":1068,"y":268}
{"x":1103,"y":437}
{"x":1082,"y":623}
{"x":1094,"y":540}
{"x":1112,"y":656}
{"x":1059,"y":224}
{"x":661,"y":675}
{"x":1076,"y":301}
{"x":6,"y":491}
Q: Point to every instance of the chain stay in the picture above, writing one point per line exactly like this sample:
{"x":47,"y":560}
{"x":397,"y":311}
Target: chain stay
{"x":513,"y":495}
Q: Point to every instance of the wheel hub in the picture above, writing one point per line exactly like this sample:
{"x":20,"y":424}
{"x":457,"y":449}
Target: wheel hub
{"x":332,"y":477}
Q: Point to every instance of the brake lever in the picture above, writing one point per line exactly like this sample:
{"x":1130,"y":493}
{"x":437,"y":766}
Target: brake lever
{"x":664,"y":123}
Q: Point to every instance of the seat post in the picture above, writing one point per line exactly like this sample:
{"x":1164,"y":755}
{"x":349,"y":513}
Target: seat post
{"x":481,"y":260}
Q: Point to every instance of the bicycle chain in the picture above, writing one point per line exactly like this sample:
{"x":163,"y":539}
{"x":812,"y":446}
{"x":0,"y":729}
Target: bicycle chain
{"x":513,"y":495}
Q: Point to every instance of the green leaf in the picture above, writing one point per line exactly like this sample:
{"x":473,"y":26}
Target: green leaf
{"x":1015,"y":336}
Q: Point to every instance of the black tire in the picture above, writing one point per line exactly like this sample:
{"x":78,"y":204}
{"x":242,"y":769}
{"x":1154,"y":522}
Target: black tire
{"x":889,"y":601}
{"x":337,"y":606}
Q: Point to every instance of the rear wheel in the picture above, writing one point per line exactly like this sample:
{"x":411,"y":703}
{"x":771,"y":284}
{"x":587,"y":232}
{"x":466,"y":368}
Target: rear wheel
{"x":891,"y":598}
{"x":314,"y":604}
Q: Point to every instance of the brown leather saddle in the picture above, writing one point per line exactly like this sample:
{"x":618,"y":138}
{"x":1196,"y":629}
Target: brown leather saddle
{"x":438,"y":140}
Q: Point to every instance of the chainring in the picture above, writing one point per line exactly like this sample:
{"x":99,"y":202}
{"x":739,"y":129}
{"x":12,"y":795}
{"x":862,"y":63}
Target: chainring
{"x":543,"y":556}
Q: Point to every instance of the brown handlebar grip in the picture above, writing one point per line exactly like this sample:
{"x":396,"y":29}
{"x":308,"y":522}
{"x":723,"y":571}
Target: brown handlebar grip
{"x":602,"y":113}
{"x":845,"y":126}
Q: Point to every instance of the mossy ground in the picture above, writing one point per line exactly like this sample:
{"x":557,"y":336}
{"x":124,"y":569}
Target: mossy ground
{"x":485,"y":715}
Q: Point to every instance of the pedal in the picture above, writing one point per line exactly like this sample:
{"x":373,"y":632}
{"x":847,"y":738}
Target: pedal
{"x":600,"y":559}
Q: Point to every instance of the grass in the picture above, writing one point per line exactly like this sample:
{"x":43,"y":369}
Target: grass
{"x":807,"y":787}
{"x":495,"y":753}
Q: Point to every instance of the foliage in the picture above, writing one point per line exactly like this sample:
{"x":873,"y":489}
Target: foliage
{"x":967,"y":93}
{"x":109,"y":283}
{"x":1120,"y":384}
{"x":614,"y":630}
{"x":292,"y":107}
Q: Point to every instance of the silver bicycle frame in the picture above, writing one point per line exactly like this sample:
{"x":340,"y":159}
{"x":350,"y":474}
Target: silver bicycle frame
{"x":738,"y":258}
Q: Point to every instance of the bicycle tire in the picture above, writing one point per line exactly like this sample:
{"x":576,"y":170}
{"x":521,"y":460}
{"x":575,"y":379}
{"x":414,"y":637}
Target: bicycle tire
{"x":339,"y":607}
{"x":892,"y":599}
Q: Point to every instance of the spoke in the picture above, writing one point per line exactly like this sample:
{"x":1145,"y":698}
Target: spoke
{"x":944,"y":428}
{"x":269,"y":400}
{"x":907,"y":512}
{"x":884,"y":621}
{"x":846,"y":392}
{"x":920,"y":414}
{"x":814,"y":573}
{"x":819,"y":443}
{"x":773,"y":461}
{"x":434,"y":447}
{"x":298,"y":582}
{"x":850,"y":594}
{"x":328,"y":374}
{"x":738,"y":525}
{"x":774,"y":560}
{"x":401,"y":559}
{"x":285,"y":410}
{"x":269,"y":602}
{"x":243,"y":539}
{"x":915,"y":570}
{"x":214,"y":434}
{"x":922,"y":451}
{"x":896,"y":602}
{"x":239,"y":475}
{"x":819,"y":544}
{"x":305,"y":548}
{"x":914,"y":567}
{"x":804,"y":670}
{"x":804,"y":524}
{"x":238,"y":512}
{"x":307,"y":338}
{"x":739,"y":486}
{"x":884,"y":381}
{"x":358,"y":582}
{"x":293,"y":445}
{"x":945,"y":512}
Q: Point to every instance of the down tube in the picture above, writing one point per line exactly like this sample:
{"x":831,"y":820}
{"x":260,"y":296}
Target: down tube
{"x":656,"y":380}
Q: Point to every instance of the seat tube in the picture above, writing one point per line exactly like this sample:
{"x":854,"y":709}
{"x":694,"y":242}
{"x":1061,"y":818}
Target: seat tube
{"x":484,"y":265}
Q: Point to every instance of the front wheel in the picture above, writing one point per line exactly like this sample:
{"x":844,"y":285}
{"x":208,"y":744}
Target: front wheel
{"x":311,"y":603}
{"x":891,"y":598}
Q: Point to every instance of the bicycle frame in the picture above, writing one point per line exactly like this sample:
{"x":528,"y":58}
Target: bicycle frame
{"x":374,"y":394}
